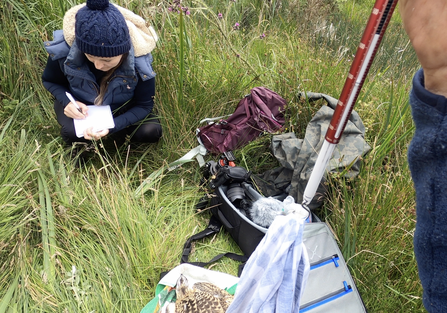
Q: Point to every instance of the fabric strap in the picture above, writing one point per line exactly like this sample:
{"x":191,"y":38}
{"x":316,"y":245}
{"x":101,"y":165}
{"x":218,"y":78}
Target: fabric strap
{"x":213,"y":227}
{"x":198,"y":152}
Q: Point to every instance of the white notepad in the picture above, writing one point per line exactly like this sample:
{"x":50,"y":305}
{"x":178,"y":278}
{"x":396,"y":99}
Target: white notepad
{"x":99,"y":117}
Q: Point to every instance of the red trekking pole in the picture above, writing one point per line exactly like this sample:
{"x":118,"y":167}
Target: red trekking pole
{"x":372,"y":36}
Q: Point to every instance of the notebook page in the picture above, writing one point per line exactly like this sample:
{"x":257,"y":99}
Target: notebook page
{"x":99,"y":117}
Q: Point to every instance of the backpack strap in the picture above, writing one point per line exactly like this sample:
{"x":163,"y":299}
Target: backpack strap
{"x":213,"y":227}
{"x":197,"y":152}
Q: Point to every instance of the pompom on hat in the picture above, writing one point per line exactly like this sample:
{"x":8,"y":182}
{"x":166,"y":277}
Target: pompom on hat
{"x":101,"y":30}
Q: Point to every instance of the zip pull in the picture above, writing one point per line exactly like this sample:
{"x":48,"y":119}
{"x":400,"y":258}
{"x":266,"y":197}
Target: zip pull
{"x":347,"y":287}
{"x":335,"y":259}
{"x":331,"y":259}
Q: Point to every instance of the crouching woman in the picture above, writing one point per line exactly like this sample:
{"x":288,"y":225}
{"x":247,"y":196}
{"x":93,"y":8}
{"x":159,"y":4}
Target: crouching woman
{"x":102,"y":57}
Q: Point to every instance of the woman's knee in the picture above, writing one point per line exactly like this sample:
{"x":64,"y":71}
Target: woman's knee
{"x":149,"y":132}
{"x":68,"y":134}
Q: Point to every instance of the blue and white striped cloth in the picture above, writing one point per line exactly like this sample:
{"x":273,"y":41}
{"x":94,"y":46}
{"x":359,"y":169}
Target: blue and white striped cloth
{"x":275,"y":275}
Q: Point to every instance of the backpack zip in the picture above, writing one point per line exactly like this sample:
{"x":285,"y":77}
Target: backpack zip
{"x":270,"y":118}
{"x":325,"y":261}
{"x":327,"y":298}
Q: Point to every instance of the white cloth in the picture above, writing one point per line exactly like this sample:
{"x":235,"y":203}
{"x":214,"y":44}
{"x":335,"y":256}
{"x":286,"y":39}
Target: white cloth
{"x":198,"y":274}
{"x":275,"y":275}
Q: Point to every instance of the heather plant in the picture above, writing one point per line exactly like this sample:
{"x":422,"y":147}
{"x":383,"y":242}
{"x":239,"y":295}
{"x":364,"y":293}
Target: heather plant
{"x":96,"y":237}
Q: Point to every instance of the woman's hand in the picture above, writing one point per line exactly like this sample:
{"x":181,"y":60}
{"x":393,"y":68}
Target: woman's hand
{"x":90,"y":134}
{"x":73,"y":112}
{"x":425,"y":22}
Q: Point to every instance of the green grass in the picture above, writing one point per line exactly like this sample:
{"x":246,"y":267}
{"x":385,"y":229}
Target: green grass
{"x":97,"y":237}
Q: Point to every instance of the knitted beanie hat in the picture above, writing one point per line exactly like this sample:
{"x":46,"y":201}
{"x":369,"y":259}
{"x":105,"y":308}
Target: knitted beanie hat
{"x":101,"y":30}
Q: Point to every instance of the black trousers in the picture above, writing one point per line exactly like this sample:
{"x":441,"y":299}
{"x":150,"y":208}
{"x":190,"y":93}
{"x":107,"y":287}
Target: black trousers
{"x":148,"y":130}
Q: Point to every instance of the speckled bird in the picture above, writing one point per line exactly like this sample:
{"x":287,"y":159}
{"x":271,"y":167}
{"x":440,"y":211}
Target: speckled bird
{"x":201,"y":297}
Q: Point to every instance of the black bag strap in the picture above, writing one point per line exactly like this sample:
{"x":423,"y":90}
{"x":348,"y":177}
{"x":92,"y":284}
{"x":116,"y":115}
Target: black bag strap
{"x":213,"y":227}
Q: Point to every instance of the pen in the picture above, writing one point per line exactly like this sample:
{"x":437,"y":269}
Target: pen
{"x":70,"y":97}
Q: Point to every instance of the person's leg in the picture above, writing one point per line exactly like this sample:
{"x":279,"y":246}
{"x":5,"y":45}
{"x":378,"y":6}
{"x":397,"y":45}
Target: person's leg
{"x":68,"y":132}
{"x":148,"y":131}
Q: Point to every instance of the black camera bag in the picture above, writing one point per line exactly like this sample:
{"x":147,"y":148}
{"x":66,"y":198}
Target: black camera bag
{"x":330,"y":287}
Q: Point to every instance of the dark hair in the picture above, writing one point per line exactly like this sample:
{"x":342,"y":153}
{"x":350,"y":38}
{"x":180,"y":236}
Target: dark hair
{"x":104,"y":84}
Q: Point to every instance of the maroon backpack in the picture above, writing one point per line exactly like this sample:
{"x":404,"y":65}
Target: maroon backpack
{"x":260,"y":111}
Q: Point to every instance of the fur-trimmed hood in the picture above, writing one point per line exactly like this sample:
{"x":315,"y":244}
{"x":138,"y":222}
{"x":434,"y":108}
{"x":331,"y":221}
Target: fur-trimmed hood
{"x":143,"y":38}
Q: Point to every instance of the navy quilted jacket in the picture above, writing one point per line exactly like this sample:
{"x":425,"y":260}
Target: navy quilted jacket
{"x":129,"y":89}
